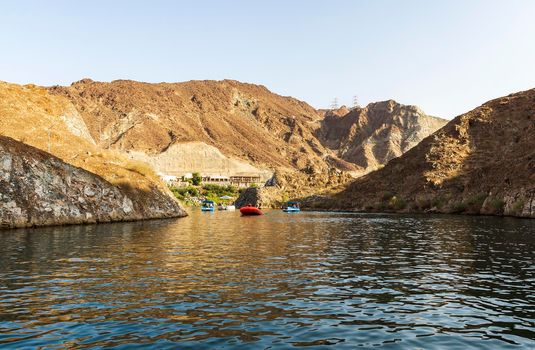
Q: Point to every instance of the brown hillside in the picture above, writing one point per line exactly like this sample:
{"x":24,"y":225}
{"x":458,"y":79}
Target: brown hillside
{"x":480,"y":162}
{"x":49,"y":122}
{"x":244,"y":121}
{"x":371,"y":136}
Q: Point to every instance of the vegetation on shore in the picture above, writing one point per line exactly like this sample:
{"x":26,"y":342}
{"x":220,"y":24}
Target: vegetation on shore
{"x":194,"y":195}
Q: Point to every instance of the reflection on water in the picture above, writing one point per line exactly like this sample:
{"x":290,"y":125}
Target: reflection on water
{"x":276,"y":281}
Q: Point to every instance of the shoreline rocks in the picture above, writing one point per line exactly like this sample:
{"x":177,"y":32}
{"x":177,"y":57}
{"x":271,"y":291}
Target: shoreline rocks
{"x":39,"y":189}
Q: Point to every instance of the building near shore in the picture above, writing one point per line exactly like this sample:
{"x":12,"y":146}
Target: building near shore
{"x":215,"y":179}
{"x":238,"y":180}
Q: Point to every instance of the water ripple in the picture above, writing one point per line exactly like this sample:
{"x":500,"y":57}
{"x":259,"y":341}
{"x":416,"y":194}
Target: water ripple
{"x":278,"y":281}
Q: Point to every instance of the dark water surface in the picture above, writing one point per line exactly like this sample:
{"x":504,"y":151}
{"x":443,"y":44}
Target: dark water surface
{"x":218,"y":280}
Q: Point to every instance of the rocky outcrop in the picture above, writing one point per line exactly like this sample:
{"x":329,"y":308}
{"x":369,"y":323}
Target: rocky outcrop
{"x":482,"y":162}
{"x":39,"y":189}
{"x":33,"y":116}
{"x":369,"y":137}
{"x":251,"y":195}
{"x":263,"y":197}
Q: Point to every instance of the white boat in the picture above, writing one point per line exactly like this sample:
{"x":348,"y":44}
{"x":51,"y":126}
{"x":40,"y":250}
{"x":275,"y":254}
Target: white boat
{"x":223,"y":206}
{"x":226,"y":207}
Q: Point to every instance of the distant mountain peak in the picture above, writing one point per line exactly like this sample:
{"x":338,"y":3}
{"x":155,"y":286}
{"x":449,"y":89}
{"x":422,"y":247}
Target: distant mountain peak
{"x":481,"y":162}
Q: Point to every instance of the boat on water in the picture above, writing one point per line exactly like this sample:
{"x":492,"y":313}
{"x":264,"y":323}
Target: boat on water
{"x":208,"y":206}
{"x":250,"y":210}
{"x":225,"y":204}
{"x":291,"y":207}
{"x":226,"y":207}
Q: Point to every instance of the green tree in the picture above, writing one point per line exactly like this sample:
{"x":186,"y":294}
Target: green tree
{"x":196,"y":179}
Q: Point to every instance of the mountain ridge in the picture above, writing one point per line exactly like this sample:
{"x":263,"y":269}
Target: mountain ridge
{"x":371,"y":136}
{"x":244,"y":121}
{"x":481,"y":162}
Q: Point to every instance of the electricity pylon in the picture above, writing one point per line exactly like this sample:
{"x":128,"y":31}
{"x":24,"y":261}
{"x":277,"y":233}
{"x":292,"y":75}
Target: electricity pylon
{"x":334,"y":103}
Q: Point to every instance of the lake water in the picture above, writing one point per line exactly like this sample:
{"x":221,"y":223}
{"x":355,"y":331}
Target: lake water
{"x":218,"y":280}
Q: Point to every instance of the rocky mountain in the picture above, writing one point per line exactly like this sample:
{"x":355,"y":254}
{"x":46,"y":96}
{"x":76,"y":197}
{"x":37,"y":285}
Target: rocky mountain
{"x":39,"y":189}
{"x":371,"y":136}
{"x":190,"y":126}
{"x":482,"y":162}
{"x":242,"y":120}
{"x":243,"y":128}
{"x":35,"y":117}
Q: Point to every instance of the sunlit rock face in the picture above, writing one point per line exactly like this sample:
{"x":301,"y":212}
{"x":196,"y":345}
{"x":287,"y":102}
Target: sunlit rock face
{"x":369,"y":137}
{"x":482,"y":162}
{"x":39,"y":189}
{"x":50,"y":123}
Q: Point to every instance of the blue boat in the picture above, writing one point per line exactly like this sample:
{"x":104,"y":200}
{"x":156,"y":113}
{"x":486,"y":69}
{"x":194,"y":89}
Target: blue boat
{"x":208,"y":206}
{"x":291,"y":207}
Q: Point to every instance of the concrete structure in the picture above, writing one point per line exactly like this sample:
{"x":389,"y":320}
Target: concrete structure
{"x":245,"y":181}
{"x":215,"y":179}
{"x":235,"y":180}
{"x":242,"y":180}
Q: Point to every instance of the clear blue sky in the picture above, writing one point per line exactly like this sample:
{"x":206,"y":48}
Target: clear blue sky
{"x":445,"y":56}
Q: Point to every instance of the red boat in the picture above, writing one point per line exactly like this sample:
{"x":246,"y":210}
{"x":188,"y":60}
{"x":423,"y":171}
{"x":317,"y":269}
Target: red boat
{"x":250,"y":210}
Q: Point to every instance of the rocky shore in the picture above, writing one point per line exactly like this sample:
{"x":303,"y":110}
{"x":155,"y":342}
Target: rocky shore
{"x":39,"y":189}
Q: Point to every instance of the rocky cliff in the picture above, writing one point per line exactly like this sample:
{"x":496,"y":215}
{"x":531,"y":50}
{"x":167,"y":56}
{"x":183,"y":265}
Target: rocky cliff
{"x":482,"y":162}
{"x":245,"y":121}
{"x":252,"y":127}
{"x":51,"y":123}
{"x":256,"y":130}
{"x":369,"y":137}
{"x":39,"y":189}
